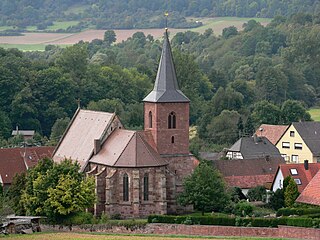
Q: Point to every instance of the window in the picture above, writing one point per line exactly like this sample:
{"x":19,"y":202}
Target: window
{"x":297,"y":181}
{"x":125,"y":187}
{"x":150,"y":119}
{"x":172,"y":120}
{"x":298,"y":146}
{"x":285,"y":145}
{"x":291,"y":133}
{"x":295,"y":158}
{"x":293,"y":171}
{"x":146,"y":187}
{"x":172,"y":139}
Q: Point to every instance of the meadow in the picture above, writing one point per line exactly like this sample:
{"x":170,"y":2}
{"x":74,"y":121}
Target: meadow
{"x":89,"y":236}
{"x":38,"y":40}
{"x":315,"y":114}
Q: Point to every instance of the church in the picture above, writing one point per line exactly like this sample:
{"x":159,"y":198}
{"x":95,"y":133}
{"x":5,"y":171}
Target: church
{"x":137,"y":173}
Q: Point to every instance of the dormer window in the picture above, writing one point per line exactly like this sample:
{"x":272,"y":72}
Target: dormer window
{"x":172,"y":120}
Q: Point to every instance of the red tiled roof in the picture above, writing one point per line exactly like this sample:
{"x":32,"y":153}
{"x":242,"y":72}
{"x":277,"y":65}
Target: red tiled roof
{"x":311,"y":194}
{"x":125,"y":148}
{"x":12,"y":160}
{"x":272,"y":132}
{"x":248,"y":173}
{"x":304,"y":175}
{"x":248,"y":181}
{"x":78,"y":140}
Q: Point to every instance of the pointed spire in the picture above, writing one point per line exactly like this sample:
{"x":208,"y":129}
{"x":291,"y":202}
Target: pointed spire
{"x":166,"y":87}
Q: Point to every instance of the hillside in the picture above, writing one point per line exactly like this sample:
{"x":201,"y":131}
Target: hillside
{"x":122,"y":14}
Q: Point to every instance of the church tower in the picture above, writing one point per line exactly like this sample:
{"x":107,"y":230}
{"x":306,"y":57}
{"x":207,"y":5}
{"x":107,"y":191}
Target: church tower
{"x":166,"y":108}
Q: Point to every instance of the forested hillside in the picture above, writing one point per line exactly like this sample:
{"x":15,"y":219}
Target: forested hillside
{"x":235,"y":81}
{"x":141,"y":14}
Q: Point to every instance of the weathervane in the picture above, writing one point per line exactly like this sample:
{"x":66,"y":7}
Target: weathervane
{"x":166,"y":14}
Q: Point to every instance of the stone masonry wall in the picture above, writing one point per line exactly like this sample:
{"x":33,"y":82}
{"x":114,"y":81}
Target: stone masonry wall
{"x":198,"y":230}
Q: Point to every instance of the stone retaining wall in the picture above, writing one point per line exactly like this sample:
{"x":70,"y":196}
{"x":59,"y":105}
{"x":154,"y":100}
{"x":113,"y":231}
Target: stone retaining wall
{"x":199,"y":230}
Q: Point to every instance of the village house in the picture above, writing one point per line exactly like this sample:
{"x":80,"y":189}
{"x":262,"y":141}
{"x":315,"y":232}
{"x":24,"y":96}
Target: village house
{"x":137,"y":173}
{"x":252,"y":148}
{"x":302,"y":173}
{"x":300,"y":142}
{"x":26,"y":134}
{"x":248,"y":173}
{"x":272,"y":132}
{"x":18,"y":160}
{"x":311,"y":194}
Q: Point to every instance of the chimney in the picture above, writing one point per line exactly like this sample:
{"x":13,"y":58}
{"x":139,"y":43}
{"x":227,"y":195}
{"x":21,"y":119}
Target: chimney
{"x":97,"y":146}
{"x":255,"y":138}
{"x":306,"y":164}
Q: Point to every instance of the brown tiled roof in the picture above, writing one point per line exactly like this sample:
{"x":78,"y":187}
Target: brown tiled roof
{"x":248,"y":173}
{"x":311,"y":194}
{"x":78,"y":140}
{"x":304,"y":175}
{"x":272,"y":132}
{"x":125,"y":148}
{"x":16,"y":160}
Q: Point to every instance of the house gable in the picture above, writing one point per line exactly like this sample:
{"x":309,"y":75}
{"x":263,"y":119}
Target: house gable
{"x":289,"y":146}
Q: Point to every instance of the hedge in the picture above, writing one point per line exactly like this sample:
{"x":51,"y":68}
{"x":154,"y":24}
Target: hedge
{"x":235,"y":221}
{"x":297,"y":211}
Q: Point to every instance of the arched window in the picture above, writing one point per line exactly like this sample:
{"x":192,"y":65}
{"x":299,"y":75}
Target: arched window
{"x":150,"y":119}
{"x":172,"y":139}
{"x":172,"y":120}
{"x":146,"y":187}
{"x":125,"y":187}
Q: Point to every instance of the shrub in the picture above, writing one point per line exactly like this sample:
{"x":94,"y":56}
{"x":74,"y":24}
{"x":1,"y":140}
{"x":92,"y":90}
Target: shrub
{"x":276,"y":200}
{"x":243,"y":208}
{"x":297,"y":211}
{"x":257,"y":194}
{"x":104,"y":218}
{"x":116,"y":216}
{"x":79,"y":219}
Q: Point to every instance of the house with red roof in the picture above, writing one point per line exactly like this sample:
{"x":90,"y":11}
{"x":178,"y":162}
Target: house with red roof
{"x":302,"y":174}
{"x":272,"y":132}
{"x":18,"y":160}
{"x":311,"y":194}
{"x":248,"y":173}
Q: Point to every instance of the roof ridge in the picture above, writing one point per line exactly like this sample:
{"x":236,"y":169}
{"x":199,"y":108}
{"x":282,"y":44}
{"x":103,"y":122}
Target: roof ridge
{"x":124,"y":148}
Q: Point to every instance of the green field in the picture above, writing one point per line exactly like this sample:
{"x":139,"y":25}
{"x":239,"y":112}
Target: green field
{"x":89,"y":236}
{"x":25,"y":47}
{"x":315,"y":114}
{"x":62,"y":25}
{"x":222,"y":22}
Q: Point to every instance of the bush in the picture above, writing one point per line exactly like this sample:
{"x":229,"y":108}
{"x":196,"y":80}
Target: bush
{"x":104,"y":218}
{"x":79,"y":219}
{"x":297,"y":211}
{"x":243,"y":208}
{"x":257,"y":194}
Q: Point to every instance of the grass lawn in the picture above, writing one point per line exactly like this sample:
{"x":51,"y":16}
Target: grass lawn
{"x":88,"y":236}
{"x":315,"y":114}
{"x":217,"y":24}
{"x":3,"y":28}
{"x":25,"y":47}
{"x":62,"y":25}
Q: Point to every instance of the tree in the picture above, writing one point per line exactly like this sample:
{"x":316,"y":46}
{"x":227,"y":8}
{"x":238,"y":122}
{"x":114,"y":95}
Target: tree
{"x":15,"y":192}
{"x":109,"y":37}
{"x":204,"y":189}
{"x":291,"y":193}
{"x":293,"y":111}
{"x":57,"y":190}
{"x":276,"y":200}
{"x":258,"y":193}
{"x":229,"y":32}
{"x":58,"y":129}
{"x":266,"y":112}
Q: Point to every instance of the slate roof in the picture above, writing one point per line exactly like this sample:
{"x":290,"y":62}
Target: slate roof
{"x":272,"y":132}
{"x":78,"y":140}
{"x":248,"y":173}
{"x":310,"y":133}
{"x":125,"y":148}
{"x":17,"y":160}
{"x":166,"y":87}
{"x":304,"y":175}
{"x":311,"y":194}
{"x":251,"y":147}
